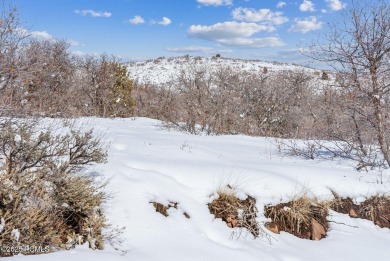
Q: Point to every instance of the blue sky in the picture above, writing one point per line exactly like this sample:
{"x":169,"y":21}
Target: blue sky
{"x":141,"y":29}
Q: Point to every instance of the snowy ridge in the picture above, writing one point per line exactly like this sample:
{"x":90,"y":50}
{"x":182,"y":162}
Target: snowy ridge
{"x":163,"y":70}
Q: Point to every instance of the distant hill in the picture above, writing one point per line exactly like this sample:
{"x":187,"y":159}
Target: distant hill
{"x":163,"y":70}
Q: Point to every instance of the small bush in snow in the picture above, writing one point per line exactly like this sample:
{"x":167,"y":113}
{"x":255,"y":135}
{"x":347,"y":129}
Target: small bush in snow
{"x":44,"y":200}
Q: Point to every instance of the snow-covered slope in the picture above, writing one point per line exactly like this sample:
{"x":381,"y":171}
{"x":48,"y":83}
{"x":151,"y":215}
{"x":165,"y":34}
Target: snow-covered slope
{"x":163,"y":70}
{"x":150,"y":163}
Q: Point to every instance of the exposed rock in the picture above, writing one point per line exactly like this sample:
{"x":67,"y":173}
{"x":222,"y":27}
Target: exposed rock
{"x":231,"y":221}
{"x":318,"y":231}
{"x":163,"y":209}
{"x":352,"y":213}
{"x":272,"y":227}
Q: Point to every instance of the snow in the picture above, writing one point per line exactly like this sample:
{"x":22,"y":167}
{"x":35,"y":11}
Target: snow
{"x":15,"y":234}
{"x":18,"y":138}
{"x":2,"y":224}
{"x":148,"y":162}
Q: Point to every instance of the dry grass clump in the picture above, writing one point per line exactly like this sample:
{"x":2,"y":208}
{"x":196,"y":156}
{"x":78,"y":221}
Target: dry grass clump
{"x":375,"y":208}
{"x":25,"y":221}
{"x":44,"y":200}
{"x":236,"y":212}
{"x":303,"y":217}
{"x":79,"y":199}
{"x":163,"y":209}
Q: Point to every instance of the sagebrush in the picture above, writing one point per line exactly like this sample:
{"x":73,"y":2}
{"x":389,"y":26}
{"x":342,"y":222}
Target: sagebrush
{"x":45,"y":200}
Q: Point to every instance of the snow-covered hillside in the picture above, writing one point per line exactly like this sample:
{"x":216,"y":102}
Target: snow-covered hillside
{"x":163,"y":70}
{"x":150,"y":163}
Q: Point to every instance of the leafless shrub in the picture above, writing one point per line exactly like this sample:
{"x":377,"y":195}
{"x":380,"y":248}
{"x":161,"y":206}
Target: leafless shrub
{"x":156,"y":102}
{"x":224,"y":101}
{"x":45,"y":84}
{"x":306,"y":149}
{"x":367,"y":157}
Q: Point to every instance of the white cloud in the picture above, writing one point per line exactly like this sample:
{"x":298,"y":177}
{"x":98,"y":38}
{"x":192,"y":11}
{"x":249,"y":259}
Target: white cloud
{"x":235,"y":34}
{"x":165,"y":21}
{"x":281,"y":4}
{"x":242,"y":42}
{"x":305,"y":25}
{"x":74,"y":43}
{"x":215,"y":2}
{"x":190,"y":49}
{"x":226,"y":30}
{"x":307,"y":6}
{"x":45,"y":36}
{"x":41,"y":35}
{"x":336,"y":5}
{"x":137,"y":20}
{"x":261,"y":15}
{"x":286,"y":55}
{"x":93,"y":13}
{"x":197,"y":49}
{"x":79,"y":53}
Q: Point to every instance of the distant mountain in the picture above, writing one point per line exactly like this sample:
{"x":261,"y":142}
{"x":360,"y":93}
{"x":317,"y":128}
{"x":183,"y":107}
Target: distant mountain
{"x":163,"y":70}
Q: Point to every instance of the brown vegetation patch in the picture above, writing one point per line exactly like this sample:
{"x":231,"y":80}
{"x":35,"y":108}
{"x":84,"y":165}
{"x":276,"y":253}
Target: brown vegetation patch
{"x":236,"y":212}
{"x":163,"y":209}
{"x":345,"y":206}
{"x":302,"y":217}
{"x":376,"y":209}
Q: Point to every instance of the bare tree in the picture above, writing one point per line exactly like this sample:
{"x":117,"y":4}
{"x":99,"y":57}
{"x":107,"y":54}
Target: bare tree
{"x":194,"y":87}
{"x":11,"y":40}
{"x":360,"y":49}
